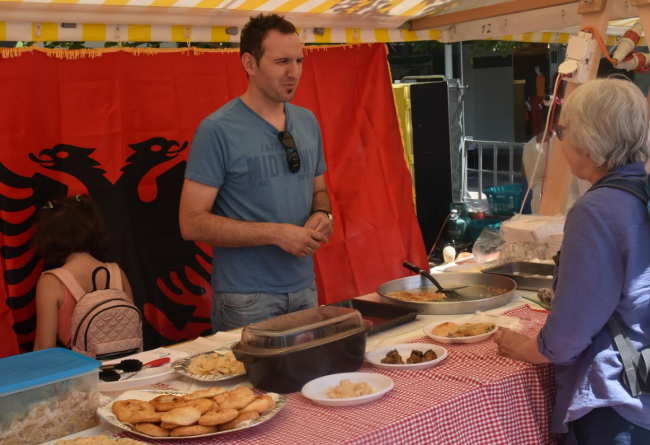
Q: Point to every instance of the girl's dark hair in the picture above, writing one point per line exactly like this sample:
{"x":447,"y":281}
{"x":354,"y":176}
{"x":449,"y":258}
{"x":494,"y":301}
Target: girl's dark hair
{"x":255,"y":31}
{"x":69,"y":225}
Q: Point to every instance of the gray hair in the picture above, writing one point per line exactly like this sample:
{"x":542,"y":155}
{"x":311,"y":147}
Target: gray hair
{"x":608,"y":119}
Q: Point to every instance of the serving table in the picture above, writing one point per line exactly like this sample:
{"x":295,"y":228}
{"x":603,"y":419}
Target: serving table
{"x":474,"y":396}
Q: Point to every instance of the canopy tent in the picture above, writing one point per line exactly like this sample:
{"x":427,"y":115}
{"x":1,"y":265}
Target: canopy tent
{"x":320,"y":21}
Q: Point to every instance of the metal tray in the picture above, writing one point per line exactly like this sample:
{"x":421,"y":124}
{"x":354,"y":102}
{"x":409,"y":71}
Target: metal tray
{"x":528,"y":276}
{"x":181,"y":365}
{"x":452,"y":305}
{"x":383,"y":316}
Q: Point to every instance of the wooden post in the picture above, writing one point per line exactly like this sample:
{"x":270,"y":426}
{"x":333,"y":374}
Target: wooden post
{"x":558,"y":182}
{"x":643,"y":8}
{"x":485,"y":12}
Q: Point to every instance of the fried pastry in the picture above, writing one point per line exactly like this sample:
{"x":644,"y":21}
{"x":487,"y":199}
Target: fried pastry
{"x":205,"y":393}
{"x":193,"y":430}
{"x":259,"y":405}
{"x":444,"y":329}
{"x":203,"y":405}
{"x":135,"y":411}
{"x":152,"y":430}
{"x":184,"y":416}
{"x":472,"y":329}
{"x":167,"y":402}
{"x":243,"y":417}
{"x":238,"y":398}
{"x":220,"y":417}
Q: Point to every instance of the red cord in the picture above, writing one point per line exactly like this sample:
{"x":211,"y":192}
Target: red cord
{"x":600,"y":41}
{"x":548,"y":139}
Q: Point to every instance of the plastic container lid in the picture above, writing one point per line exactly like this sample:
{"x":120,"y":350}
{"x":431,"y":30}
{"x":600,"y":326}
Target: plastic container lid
{"x":300,"y":329}
{"x":39,"y":368}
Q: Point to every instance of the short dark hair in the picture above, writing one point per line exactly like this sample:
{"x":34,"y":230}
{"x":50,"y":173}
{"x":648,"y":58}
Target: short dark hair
{"x":69,"y":225}
{"x":256,"y":30}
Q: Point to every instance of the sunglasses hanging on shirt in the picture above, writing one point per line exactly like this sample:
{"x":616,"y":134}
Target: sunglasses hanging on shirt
{"x":293,"y":160}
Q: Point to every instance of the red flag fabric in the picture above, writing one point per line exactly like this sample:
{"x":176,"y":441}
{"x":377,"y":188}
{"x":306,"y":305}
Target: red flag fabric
{"x":119,"y":127}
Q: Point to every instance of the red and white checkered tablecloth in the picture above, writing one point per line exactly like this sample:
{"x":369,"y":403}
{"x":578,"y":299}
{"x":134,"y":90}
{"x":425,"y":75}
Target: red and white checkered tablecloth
{"x":472,"y":397}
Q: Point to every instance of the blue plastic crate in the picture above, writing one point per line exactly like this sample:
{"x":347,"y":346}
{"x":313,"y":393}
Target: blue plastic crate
{"x":504,"y":199}
{"x":57,"y":386}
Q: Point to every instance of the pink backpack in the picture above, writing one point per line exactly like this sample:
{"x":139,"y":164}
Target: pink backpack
{"x":105,"y":324}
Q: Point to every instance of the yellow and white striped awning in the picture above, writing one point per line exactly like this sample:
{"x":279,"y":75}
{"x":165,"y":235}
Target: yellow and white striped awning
{"x":92,"y":32}
{"x":320,"y":21}
{"x":10,"y":31}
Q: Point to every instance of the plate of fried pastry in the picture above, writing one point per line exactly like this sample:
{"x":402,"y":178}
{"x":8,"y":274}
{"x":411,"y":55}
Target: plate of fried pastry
{"x":210,"y":366}
{"x":458,"y":332}
{"x":407,"y":356}
{"x":177,"y":415}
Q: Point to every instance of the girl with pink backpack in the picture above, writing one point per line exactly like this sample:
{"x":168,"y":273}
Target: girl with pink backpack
{"x":85,"y":305}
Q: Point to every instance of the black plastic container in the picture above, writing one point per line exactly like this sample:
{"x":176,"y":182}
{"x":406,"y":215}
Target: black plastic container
{"x":284,"y":353}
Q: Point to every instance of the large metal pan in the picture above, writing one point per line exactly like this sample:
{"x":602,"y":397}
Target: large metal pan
{"x":452,"y":304}
{"x":528,"y":276}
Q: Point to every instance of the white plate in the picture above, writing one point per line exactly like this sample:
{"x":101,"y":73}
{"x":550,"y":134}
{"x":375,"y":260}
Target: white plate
{"x":316,"y":390}
{"x":404,"y":350}
{"x":473,"y":339}
{"x":181,"y":365}
{"x":146,"y":377}
{"x":106,"y":413}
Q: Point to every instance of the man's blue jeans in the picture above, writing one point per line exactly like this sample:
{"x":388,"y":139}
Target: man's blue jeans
{"x":232,"y":310}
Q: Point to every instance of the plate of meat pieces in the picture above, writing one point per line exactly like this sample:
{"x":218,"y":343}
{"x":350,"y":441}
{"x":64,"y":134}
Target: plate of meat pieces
{"x":407,"y":356}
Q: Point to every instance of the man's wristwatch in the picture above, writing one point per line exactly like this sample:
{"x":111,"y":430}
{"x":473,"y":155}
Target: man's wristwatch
{"x":329,"y":214}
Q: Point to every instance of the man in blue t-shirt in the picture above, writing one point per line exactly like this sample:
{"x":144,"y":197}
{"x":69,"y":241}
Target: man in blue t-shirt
{"x":255,"y":186}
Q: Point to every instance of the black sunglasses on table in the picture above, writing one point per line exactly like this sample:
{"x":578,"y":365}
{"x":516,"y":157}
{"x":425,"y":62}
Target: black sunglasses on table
{"x":293,"y":160}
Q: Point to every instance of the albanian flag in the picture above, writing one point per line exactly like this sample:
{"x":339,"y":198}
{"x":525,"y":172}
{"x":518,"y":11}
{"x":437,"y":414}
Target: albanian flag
{"x":119,"y":127}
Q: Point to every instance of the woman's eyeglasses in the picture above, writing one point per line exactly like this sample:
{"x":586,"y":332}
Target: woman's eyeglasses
{"x":293,"y":160}
{"x":559,"y":129}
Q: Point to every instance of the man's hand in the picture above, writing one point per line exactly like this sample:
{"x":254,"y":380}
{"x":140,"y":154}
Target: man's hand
{"x":320,"y":222}
{"x":299,"y":241}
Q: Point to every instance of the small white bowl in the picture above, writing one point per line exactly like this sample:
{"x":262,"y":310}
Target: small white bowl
{"x":404,"y":350}
{"x":473,"y":339}
{"x":316,"y":390}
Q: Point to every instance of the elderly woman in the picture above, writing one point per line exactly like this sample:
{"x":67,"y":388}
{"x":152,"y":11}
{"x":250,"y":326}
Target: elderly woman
{"x":604,"y":270}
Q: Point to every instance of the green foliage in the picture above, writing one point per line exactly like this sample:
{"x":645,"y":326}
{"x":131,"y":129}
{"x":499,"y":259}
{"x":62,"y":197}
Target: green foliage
{"x":53,"y":45}
{"x":427,"y":46}
{"x":501,"y":47}
{"x":420,"y":47}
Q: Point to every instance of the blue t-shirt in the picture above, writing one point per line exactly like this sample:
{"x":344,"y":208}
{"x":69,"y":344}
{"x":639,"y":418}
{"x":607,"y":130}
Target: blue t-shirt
{"x":237,"y":151}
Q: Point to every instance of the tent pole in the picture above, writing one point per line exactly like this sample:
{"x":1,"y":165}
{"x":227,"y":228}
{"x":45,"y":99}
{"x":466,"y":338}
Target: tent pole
{"x":449,"y":61}
{"x":643,"y":8}
{"x":558,"y":183}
